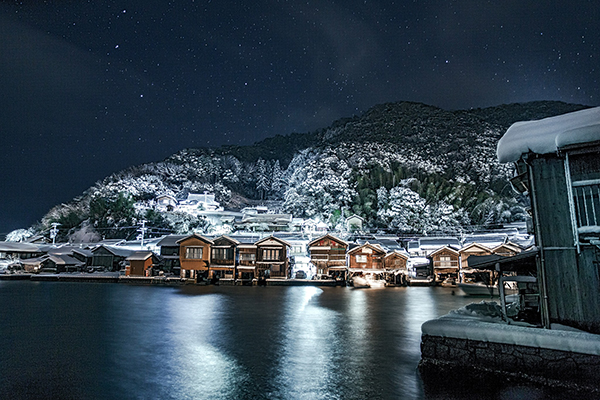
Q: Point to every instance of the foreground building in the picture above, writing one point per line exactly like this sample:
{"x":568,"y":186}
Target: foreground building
{"x":557,"y":163}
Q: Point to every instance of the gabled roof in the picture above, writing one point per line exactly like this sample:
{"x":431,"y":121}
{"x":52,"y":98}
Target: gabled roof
{"x":114,"y":250}
{"x":335,"y":239}
{"x":355,"y":216}
{"x":510,"y":246}
{"x":373,"y":247}
{"x":83,"y":252}
{"x":445,"y":248}
{"x":64,"y":259}
{"x":227,"y":238}
{"x":477,"y":245}
{"x":398,"y":253}
{"x":273,"y":238}
{"x":170,"y":240}
{"x":160,"y":196}
{"x":19,"y":247}
{"x":195,"y":235}
{"x":140,"y":256}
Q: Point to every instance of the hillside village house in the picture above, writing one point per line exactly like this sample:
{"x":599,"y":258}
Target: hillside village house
{"x":354,"y":223}
{"x":166,"y":202}
{"x":558,"y":165}
{"x":223,"y":258}
{"x":272,"y":258}
{"x":365,"y":259}
{"x":194,"y":256}
{"x":199,"y":202}
{"x":265,"y":222}
{"x":328,"y":255}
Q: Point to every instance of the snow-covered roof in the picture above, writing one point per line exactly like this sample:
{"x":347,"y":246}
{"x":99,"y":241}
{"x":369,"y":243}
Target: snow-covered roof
{"x":139,"y":256}
{"x":481,"y":323}
{"x":547,"y":135}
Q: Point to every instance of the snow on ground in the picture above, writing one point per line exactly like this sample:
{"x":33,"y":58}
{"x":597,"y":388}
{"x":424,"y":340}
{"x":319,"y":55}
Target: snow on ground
{"x":547,"y":135}
{"x":483,"y":322}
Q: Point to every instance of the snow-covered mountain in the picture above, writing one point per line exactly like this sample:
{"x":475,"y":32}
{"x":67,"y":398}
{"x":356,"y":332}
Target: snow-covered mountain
{"x":402,"y":166}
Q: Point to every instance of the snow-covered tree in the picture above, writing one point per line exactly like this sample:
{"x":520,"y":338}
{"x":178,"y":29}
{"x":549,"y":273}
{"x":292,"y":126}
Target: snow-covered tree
{"x":263,"y":183}
{"x":18,"y":235}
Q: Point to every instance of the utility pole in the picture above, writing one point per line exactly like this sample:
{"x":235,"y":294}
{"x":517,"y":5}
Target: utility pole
{"x":143,"y":230}
{"x":54,"y":232}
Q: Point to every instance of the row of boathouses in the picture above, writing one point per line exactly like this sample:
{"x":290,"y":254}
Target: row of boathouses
{"x":243,"y":259}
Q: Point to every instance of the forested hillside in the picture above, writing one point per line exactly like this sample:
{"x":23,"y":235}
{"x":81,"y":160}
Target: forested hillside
{"x":404,"y":167}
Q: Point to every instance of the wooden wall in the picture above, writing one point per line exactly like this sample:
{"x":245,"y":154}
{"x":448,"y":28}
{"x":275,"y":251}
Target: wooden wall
{"x":571,"y":278}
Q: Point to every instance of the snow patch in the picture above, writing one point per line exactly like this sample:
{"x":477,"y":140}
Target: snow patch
{"x":481,"y":322}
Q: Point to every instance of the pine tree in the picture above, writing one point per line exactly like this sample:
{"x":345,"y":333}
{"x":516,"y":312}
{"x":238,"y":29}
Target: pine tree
{"x":277,"y":182}
{"x":263,"y":183}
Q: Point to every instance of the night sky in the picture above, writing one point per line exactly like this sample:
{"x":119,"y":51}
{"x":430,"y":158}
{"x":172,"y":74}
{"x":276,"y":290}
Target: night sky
{"x":91,"y":87}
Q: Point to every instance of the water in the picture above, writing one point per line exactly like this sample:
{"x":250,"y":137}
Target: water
{"x":115,"y":341}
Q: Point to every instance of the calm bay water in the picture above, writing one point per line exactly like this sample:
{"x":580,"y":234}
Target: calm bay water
{"x":114,"y":341}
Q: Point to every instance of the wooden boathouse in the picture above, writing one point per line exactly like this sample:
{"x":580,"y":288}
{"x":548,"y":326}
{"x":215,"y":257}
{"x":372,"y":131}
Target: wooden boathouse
{"x":557,"y":161}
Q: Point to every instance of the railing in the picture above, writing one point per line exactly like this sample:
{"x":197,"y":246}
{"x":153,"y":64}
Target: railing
{"x":445,"y":264}
{"x":586,"y":196}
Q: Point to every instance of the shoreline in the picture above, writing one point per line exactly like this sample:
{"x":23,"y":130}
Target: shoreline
{"x":115,"y":277}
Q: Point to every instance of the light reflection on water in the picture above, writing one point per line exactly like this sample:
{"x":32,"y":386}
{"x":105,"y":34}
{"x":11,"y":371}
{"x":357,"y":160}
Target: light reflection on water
{"x":111,"y":341}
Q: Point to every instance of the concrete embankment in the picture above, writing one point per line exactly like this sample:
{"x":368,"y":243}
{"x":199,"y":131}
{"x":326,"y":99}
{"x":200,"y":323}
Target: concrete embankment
{"x":471,"y":347}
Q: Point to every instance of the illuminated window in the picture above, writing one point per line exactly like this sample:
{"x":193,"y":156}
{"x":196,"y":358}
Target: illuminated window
{"x":193,"y":253}
{"x":361,"y":258}
{"x":270,"y":254}
{"x":222,"y":254}
{"x":247,"y":256}
{"x":445,"y":261}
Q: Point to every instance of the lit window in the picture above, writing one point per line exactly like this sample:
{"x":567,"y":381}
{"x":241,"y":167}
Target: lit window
{"x":361,"y":258}
{"x":270,"y":254}
{"x":193,"y":253}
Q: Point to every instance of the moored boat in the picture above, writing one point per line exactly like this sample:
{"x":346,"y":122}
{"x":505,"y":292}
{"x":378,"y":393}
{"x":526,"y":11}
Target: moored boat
{"x":358,"y":282}
{"x":478,"y":289}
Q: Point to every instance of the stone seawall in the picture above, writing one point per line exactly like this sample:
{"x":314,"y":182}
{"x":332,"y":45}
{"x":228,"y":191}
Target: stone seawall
{"x":547,"y":366}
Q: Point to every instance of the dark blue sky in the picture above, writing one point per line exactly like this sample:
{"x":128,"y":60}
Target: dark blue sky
{"x":91,"y":87}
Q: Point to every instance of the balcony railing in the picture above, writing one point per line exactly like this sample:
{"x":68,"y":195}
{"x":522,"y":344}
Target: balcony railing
{"x":586,"y":196}
{"x":445,"y":264}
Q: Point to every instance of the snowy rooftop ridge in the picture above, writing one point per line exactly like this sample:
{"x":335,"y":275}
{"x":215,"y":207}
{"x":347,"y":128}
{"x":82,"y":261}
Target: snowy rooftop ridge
{"x":547,"y":135}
